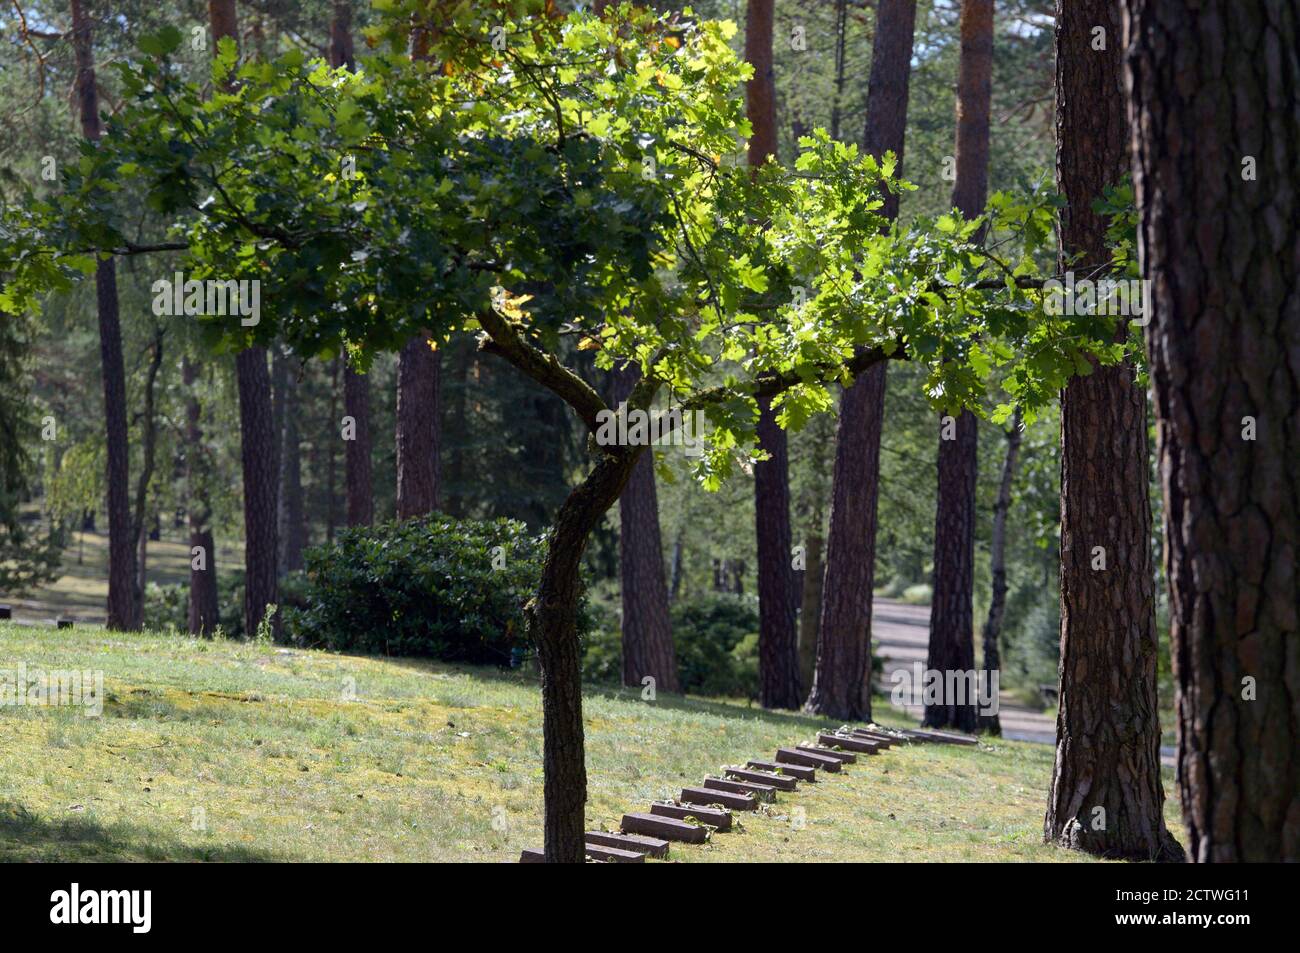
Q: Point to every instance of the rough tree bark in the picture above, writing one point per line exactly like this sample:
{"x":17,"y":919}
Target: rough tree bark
{"x":148,"y":455}
{"x":418,"y":375}
{"x":258,"y":449}
{"x":992,"y":661}
{"x":778,"y":637}
{"x":357,"y":464}
{"x":1214,"y":121}
{"x":203,"y":581}
{"x":124,"y":609}
{"x":647,"y":625}
{"x":1106,"y":796}
{"x":842,"y":680}
{"x":952,"y":636}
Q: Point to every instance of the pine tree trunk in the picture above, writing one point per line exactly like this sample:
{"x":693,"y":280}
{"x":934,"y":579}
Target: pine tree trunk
{"x":1214,"y":119}
{"x":952,"y":623}
{"x":357,"y":462}
{"x":149,"y":441}
{"x":418,"y":372}
{"x":778,"y":634}
{"x":992,"y":661}
{"x":341,"y":49}
{"x":842,"y":682}
{"x":647,"y":626}
{"x":778,"y":638}
{"x":293,"y":527}
{"x":261,"y":472}
{"x":810,"y":607}
{"x":203,"y":612}
{"x":124,"y":609}
{"x":1106,"y":796}
{"x":952,"y":636}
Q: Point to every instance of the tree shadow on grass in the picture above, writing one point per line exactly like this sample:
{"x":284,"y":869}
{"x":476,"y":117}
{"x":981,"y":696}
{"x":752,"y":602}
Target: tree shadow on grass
{"x":27,"y":837}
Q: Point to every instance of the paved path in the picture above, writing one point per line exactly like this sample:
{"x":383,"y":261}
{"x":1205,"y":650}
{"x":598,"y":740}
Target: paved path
{"x":903,"y":633}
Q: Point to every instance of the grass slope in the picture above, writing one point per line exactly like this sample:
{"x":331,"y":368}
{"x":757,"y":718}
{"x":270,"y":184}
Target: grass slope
{"x":228,"y":751}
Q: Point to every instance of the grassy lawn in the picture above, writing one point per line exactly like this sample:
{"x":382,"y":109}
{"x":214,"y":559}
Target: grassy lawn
{"x":230,"y":751}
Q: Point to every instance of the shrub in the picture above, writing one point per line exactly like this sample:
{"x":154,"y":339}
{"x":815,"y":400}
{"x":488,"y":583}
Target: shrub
{"x":436,"y":587}
{"x":716,"y":637}
{"x":918,"y":595}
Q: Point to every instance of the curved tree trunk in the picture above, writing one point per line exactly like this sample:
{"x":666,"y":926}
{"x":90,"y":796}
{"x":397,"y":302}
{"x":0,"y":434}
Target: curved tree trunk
{"x":842,"y":682}
{"x":418,"y":373}
{"x":647,"y":626}
{"x":952,"y":636}
{"x":124,"y":608}
{"x":1214,"y":119}
{"x":1106,"y":796}
{"x":202,"y":614}
{"x":552,"y":623}
{"x":992,"y":661}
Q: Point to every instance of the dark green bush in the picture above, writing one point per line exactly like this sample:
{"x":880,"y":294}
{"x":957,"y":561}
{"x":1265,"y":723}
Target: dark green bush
{"x":438,"y":587}
{"x":715,"y":637}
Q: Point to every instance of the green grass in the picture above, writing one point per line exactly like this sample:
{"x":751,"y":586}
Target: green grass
{"x":434,"y":763}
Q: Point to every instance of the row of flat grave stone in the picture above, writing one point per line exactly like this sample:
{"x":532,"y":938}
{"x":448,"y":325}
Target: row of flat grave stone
{"x":698,"y":812}
{"x":7,"y":612}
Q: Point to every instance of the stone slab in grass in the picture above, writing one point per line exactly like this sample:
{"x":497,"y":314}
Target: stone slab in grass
{"x":667,"y":828}
{"x":849,"y":743}
{"x":883,"y":740}
{"x":532,"y":855}
{"x":737,"y":802}
{"x":941,"y":737}
{"x":613,"y":855}
{"x":807,"y":759}
{"x":713,"y":816}
{"x":843,"y":757}
{"x":764,"y":792}
{"x":800,"y":772}
{"x":779,"y":781}
{"x":651,"y":846}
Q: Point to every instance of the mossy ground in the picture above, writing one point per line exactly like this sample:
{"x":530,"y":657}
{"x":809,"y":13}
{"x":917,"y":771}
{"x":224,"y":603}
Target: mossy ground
{"x":238,"y":751}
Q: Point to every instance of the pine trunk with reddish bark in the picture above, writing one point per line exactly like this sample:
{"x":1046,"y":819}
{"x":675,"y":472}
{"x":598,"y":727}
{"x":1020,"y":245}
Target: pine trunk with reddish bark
{"x":646,"y":625}
{"x":991,"y":663}
{"x":952,"y":635}
{"x":418,"y":375}
{"x":124,"y":608}
{"x":357,"y":463}
{"x":1106,"y":796}
{"x":842,"y":680}
{"x":1214,"y":120}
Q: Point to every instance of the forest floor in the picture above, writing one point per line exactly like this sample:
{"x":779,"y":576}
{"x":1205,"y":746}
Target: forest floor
{"x":242,"y":751}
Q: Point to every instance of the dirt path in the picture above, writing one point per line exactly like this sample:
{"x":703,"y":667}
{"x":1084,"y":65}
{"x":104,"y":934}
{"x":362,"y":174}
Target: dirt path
{"x":903,"y":633}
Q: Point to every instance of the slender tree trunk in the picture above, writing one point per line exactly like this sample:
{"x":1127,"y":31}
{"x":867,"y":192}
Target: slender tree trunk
{"x":647,"y":625}
{"x":341,"y":48}
{"x":992,"y":662}
{"x":257,"y":436}
{"x":1214,"y":120}
{"x":810,"y":607}
{"x":952,"y":636}
{"x":1106,"y":796}
{"x":331,"y":463}
{"x":952,"y":624}
{"x":778,"y":637}
{"x":124,"y":609}
{"x":292,"y":521}
{"x":552,"y":624}
{"x":842,"y":682}
{"x":418,"y":430}
{"x":203,"y":614}
{"x":149,"y":429}
{"x":356,"y":404}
